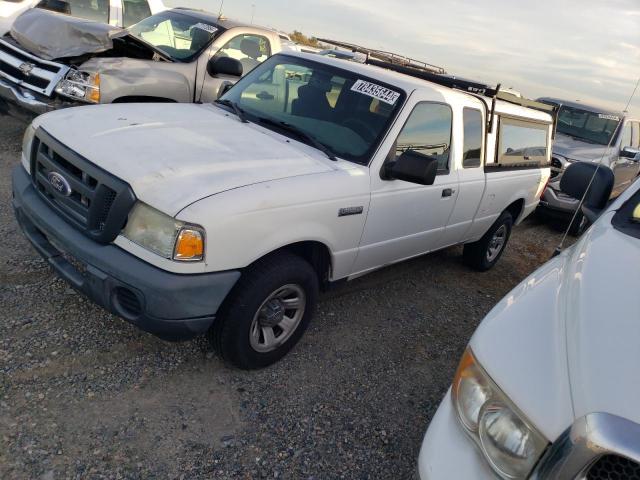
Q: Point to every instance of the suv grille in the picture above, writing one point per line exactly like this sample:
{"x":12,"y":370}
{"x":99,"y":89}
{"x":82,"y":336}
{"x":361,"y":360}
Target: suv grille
{"x":614,"y":467}
{"x":29,"y":71}
{"x":91,"y":199}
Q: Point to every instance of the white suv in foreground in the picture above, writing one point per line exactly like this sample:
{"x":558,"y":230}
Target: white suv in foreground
{"x":228,"y":218}
{"x":548,"y":387}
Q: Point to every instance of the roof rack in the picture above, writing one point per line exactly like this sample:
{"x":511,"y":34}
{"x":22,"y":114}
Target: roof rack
{"x":387,"y":57}
{"x":465,"y":85}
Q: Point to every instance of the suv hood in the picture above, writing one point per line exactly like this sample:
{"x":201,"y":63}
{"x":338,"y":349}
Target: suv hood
{"x":173,"y":155}
{"x":564,"y":343}
{"x":575,"y":149}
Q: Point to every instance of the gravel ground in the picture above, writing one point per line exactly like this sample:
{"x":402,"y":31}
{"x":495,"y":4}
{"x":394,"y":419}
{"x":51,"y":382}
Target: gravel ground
{"x":85,"y":395}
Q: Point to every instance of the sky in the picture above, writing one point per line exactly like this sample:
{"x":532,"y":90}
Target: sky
{"x":586,"y":50}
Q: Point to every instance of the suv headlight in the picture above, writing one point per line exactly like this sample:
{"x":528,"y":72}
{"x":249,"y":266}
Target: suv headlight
{"x":509,"y":442}
{"x":80,"y":85}
{"x":164,"y":235}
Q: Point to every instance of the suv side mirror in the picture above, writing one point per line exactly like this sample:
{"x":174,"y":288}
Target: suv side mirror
{"x":577,"y":180}
{"x":413,"y":167}
{"x":224,"y":66}
{"x":630,"y":152}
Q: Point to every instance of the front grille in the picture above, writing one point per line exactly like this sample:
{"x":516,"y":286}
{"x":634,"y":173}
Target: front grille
{"x":556,"y":167}
{"x":614,"y":467}
{"x":28,"y":70}
{"x":89,"y":198}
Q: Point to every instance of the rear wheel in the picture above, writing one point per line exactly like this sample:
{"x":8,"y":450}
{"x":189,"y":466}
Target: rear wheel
{"x":485,"y":253}
{"x":267,"y":312}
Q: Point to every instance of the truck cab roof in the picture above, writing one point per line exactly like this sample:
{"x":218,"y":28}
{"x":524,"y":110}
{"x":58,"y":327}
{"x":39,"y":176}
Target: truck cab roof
{"x":581,"y":106}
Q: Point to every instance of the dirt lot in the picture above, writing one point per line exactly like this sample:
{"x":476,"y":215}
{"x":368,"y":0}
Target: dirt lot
{"x":85,"y":395}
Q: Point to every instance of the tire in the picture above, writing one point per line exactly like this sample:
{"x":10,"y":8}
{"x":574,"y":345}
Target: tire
{"x":254,"y":329}
{"x":579,"y":225}
{"x":482,"y":255}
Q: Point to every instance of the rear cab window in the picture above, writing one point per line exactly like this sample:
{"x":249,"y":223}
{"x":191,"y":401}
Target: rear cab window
{"x":473,"y":138}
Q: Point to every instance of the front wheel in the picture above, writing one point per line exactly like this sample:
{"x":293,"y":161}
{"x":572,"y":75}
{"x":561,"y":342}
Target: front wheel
{"x":267,"y":312}
{"x":485,"y":253}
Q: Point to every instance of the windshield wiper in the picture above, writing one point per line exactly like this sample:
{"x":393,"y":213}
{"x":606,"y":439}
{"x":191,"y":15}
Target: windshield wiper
{"x":236,"y":109}
{"x":301,"y":134}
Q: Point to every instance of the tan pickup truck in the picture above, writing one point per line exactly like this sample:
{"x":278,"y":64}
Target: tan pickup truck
{"x":51,"y":61}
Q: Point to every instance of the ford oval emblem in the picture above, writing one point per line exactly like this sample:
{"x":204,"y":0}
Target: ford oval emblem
{"x":59,"y":183}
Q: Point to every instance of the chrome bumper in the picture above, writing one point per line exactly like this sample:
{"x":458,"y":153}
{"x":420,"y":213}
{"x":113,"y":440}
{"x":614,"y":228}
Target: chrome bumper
{"x":554,"y":199}
{"x":24,"y":104}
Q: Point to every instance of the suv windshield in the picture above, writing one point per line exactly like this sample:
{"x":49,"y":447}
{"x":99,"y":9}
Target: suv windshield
{"x":345,"y":112}
{"x":592,"y":127}
{"x":180,"y":36}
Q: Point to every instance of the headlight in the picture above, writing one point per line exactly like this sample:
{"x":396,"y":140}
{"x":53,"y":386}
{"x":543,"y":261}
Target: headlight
{"x":80,"y":85}
{"x":164,"y":235}
{"x":511,"y":445}
{"x":27,"y":142}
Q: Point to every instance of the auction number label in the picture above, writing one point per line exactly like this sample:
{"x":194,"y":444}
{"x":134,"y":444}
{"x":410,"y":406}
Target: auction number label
{"x":383,"y":94}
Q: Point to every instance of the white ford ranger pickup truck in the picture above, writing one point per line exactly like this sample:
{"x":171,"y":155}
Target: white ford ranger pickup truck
{"x":228,"y":218}
{"x":547,"y":389}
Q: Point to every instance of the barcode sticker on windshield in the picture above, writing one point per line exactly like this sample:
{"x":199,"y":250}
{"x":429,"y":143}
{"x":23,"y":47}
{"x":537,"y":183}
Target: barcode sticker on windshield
{"x":376,"y":91}
{"x":206,"y":27}
{"x":609,"y":117}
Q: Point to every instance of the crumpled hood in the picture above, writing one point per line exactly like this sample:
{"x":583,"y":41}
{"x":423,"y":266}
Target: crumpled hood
{"x":9,"y":11}
{"x":175,"y":154}
{"x":52,"y":36}
{"x":570,"y":147}
{"x":564,"y":343}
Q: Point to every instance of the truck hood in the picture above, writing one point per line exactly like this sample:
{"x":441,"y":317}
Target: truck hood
{"x":564,"y":343}
{"x":53,"y":36}
{"x":575,"y":149}
{"x":173,"y":155}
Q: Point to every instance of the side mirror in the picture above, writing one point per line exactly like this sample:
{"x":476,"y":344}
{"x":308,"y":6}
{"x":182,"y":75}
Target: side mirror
{"x":224,"y":88}
{"x":224,"y":66}
{"x":413,"y":167}
{"x":577,"y":180}
{"x":631,"y":153}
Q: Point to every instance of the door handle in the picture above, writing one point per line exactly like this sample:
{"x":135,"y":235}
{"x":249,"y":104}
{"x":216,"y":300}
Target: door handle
{"x":447,"y":192}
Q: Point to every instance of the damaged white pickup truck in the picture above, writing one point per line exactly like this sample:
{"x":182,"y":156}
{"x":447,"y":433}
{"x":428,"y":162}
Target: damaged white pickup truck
{"x":51,"y":61}
{"x":229,"y":218}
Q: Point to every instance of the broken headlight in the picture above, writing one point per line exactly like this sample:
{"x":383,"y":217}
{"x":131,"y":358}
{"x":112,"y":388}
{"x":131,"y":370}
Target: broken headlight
{"x":80,"y":85}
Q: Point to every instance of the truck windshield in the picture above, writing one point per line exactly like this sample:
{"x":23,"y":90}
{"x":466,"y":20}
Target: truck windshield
{"x":345,"y":112}
{"x":591,"y":127}
{"x":179,"y":35}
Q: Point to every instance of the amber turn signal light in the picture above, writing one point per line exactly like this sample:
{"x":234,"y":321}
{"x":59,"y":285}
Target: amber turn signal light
{"x":190,"y":245}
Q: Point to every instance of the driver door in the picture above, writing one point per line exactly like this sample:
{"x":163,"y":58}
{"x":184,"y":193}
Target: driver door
{"x":248,"y":48}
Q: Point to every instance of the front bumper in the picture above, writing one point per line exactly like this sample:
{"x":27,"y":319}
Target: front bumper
{"x":168,"y":305}
{"x":447,"y":452}
{"x":25,"y":104}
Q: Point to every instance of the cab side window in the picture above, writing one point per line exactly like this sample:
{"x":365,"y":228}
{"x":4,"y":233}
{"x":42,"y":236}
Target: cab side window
{"x":133,"y":11}
{"x":428,"y":132}
{"x":472,"y":151}
{"x":250,"y":50}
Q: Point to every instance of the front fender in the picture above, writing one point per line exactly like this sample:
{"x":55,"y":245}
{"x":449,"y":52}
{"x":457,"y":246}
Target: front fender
{"x":247,"y":223}
{"x":127,"y":77}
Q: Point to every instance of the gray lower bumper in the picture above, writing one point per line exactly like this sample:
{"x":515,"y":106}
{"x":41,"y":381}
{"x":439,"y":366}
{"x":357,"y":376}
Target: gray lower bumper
{"x":169,"y":305}
{"x":24,"y":104}
{"x":557,"y":202}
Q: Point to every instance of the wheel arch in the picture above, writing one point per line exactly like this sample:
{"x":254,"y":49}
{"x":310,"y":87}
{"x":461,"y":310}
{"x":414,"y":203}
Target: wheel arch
{"x":316,"y":253}
{"x":515,"y":209}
